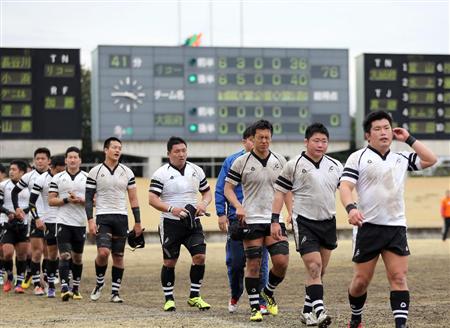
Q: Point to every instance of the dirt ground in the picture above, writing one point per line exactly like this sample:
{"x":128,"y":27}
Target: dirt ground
{"x":429,"y":282}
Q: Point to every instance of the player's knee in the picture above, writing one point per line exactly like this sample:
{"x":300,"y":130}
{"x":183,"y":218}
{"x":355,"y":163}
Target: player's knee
{"x":103,"y":253}
{"x":360,"y":284}
{"x":315,"y":269}
{"x":279,"y":248}
{"x":398,"y":278}
{"x":77,"y":258}
{"x":199,"y":259}
{"x":65,"y":256}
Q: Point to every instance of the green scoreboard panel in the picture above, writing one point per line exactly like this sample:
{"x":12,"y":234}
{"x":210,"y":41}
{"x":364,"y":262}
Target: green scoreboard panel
{"x":40,"y":94}
{"x":415,"y":89}
{"x":151,"y":93}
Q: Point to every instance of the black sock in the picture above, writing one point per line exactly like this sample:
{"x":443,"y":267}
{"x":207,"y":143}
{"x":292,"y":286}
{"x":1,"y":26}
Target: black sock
{"x":21,"y":267}
{"x":400,"y":306}
{"x":52,"y":266}
{"x":36,"y":273}
{"x":307,"y":307}
{"x":272,"y":284}
{"x":77,"y":270}
{"x":64,"y":268}
{"x":28,"y":268}
{"x":357,"y":306}
{"x":8,"y":265}
{"x":117,"y":274}
{"x":315,"y":292}
{"x":45,"y":269}
{"x":252,"y":288}
{"x":197,"y":273}
{"x":100,"y":273}
{"x":168,"y":281}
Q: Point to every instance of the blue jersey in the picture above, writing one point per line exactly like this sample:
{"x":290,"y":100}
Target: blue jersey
{"x":223,"y":207}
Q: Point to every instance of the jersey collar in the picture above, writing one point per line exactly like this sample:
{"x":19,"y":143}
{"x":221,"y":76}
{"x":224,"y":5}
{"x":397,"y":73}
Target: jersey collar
{"x":113,"y":170}
{"x":179,"y":170}
{"x":383,"y":157}
{"x":316,"y":164}
{"x":74,"y":175}
{"x":263,"y":161}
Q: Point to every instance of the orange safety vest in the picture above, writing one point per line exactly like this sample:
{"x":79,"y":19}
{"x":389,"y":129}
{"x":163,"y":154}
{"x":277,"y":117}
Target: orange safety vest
{"x":445,"y":207}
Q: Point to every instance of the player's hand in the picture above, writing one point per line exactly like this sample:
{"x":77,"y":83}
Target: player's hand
{"x":201,"y":209}
{"x":11,"y":216}
{"x":240,"y":214}
{"x":179,"y":212}
{"x":400,"y":134}
{"x":289,"y":220}
{"x":39,"y":224}
{"x":355,"y":217}
{"x":137,"y":229}
{"x":223,"y":223}
{"x":20,"y":214}
{"x":275,"y":231}
{"x":92,"y":227}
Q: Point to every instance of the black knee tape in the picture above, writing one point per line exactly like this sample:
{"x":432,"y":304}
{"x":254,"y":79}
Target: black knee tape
{"x":64,"y":248}
{"x":197,"y":249}
{"x":254,"y":252}
{"x":281,"y":247}
{"x":103,"y":240}
{"x":118,"y":246}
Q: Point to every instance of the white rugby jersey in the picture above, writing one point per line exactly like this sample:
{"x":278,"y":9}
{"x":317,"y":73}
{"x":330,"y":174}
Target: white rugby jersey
{"x":27,"y":181}
{"x":111,"y":188}
{"x":313,"y":185}
{"x":41,"y":188}
{"x":63,"y":183}
{"x":380,"y":182}
{"x":178,"y":187}
{"x":5,"y":193}
{"x":257,"y":177}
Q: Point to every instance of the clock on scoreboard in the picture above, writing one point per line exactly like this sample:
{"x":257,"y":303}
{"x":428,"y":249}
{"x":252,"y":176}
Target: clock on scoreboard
{"x":213,"y":94}
{"x":415,"y":89}
{"x":40,"y":93}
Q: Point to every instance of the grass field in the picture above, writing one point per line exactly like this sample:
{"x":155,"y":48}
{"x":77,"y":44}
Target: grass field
{"x":422,"y":200}
{"x":429,"y":282}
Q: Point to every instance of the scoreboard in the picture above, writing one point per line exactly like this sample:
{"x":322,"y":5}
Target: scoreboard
{"x":40,"y":94}
{"x":415,"y":89}
{"x":213,"y":94}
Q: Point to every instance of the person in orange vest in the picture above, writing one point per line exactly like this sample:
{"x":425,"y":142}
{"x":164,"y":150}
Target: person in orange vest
{"x":445,"y":213}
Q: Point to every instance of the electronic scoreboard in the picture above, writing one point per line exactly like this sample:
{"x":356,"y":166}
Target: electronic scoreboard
{"x":415,"y":89}
{"x":213,"y":94}
{"x":40,"y":94}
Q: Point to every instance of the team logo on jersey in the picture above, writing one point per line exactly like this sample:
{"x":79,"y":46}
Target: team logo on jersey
{"x":369,"y":161}
{"x":171,"y":177}
{"x":398,"y":160}
{"x":330,"y":169}
{"x":194,"y":174}
{"x":276,"y":166}
{"x":102,"y":175}
{"x":304,"y":171}
{"x":252,"y":169}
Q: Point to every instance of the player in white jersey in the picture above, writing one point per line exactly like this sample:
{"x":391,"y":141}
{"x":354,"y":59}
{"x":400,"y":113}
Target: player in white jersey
{"x":379,"y":178}
{"x":67,"y":191}
{"x":15,"y":235}
{"x":257,"y":171}
{"x":41,"y":159}
{"x":313,"y":178}
{"x":173,"y":186}
{"x":47,"y":218}
{"x":110,"y":182}
{"x":3,"y":219}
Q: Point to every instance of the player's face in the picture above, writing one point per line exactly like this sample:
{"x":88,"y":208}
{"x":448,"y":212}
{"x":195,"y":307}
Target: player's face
{"x":114,"y":151}
{"x":317,"y":145}
{"x":73,"y":160}
{"x":14,"y":173}
{"x":55,"y":170}
{"x":380,"y":134}
{"x":41,"y":162}
{"x":178,"y":155}
{"x":261,"y":140}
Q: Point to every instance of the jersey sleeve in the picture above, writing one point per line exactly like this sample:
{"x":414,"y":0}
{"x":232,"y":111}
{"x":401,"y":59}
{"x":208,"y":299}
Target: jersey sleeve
{"x":91,"y":180}
{"x":24,"y":181}
{"x":38,"y":185}
{"x":204,"y":185}
{"x":350,"y":172}
{"x":285,"y":180}
{"x":54,"y":185}
{"x":156,"y":183}
{"x":131,"y":178}
{"x":413,"y":161}
{"x":234,"y":176}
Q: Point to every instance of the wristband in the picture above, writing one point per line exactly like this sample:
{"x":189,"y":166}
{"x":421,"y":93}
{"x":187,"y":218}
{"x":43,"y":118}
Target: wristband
{"x":136,"y":214}
{"x":410,"y":140}
{"x":170,"y":209}
{"x":66,"y":200}
{"x":350,"y":207}
{"x":275,"y":218}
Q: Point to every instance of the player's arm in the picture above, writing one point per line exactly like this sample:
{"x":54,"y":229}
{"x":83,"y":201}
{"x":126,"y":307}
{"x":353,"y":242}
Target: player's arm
{"x":219,"y":197}
{"x":233,"y":200}
{"x":134,"y":202}
{"x":157,"y":203}
{"x":15,"y":198}
{"x":427,"y":157}
{"x":355,"y":217}
{"x":204,"y":202}
{"x":289,"y":202}
{"x":34,"y":196}
{"x":3,"y":209}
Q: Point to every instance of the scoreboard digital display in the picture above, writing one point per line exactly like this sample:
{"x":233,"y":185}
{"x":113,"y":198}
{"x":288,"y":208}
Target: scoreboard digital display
{"x":415,"y":89}
{"x":40,"y":93}
{"x":213,"y":94}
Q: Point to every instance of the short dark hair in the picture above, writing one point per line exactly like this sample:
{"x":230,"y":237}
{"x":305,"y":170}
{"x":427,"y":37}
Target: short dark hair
{"x":174,"y":141}
{"x":109,"y":140}
{"x":21,"y":165}
{"x":316,"y":128}
{"x":57,"y":161}
{"x":247,"y":133}
{"x":375,"y":116}
{"x":42,"y":150}
{"x":262,"y":125}
{"x":2,"y":168}
{"x":73,"y":149}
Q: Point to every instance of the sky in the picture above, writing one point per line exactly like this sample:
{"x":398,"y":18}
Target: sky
{"x":362,"y":26}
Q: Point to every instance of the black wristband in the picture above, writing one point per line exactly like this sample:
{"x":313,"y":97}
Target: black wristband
{"x":350,"y":207}
{"x":66,"y":200}
{"x":275,"y":218}
{"x":136,"y":214}
{"x":410,"y":140}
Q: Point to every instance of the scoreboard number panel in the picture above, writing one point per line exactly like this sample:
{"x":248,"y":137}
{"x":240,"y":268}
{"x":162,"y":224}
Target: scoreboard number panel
{"x":415,"y":89}
{"x":40,"y":93}
{"x":214,"y":93}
